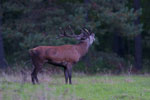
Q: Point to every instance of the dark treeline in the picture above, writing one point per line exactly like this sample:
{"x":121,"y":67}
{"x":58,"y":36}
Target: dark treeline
{"x":121,"y":28}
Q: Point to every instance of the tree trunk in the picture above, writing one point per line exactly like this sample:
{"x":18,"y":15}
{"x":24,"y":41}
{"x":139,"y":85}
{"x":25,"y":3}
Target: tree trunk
{"x":86,"y":2}
{"x":138,"y":42}
{"x":118,"y":46}
{"x":2,"y":58}
{"x":86,"y":58}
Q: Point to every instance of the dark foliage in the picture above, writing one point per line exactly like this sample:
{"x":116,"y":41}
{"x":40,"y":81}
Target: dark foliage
{"x":27,"y":24}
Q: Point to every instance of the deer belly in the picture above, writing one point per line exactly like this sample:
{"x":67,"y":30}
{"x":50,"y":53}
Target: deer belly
{"x":63,"y":61}
{"x":64,"y":57}
{"x":57,"y":63}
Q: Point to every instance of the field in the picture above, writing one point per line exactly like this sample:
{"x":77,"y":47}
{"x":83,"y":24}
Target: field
{"x":84,"y":87}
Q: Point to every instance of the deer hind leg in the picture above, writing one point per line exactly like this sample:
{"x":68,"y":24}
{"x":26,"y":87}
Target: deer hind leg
{"x":37,"y":68}
{"x":33,"y":76}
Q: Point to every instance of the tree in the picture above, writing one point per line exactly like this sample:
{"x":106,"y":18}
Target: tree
{"x":2,"y":57}
{"x":118,"y":46}
{"x":37,"y":22}
{"x":138,"y":41}
{"x":146,"y":33}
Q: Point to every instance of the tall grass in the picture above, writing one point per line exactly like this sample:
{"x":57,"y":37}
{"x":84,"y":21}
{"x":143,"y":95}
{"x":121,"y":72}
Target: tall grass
{"x":84,"y":87}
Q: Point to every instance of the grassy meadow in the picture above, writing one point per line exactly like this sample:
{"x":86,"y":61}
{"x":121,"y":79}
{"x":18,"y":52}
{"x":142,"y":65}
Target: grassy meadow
{"x":84,"y":87}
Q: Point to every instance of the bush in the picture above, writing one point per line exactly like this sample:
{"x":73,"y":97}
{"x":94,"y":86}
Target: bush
{"x":102,"y":63}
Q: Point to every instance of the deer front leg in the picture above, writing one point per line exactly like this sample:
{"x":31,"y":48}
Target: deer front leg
{"x":66,"y":75}
{"x":69,"y":70}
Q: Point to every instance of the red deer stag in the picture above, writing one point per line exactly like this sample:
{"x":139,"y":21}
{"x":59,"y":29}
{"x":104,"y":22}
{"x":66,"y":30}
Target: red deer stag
{"x":64,"y":56}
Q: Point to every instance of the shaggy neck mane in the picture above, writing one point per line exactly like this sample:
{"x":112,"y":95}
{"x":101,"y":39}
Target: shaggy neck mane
{"x":82,"y":48}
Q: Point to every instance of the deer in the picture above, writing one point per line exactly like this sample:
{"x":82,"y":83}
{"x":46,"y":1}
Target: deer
{"x":65,"y":56}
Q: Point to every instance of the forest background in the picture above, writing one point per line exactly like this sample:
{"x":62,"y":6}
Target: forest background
{"x":122,"y":30}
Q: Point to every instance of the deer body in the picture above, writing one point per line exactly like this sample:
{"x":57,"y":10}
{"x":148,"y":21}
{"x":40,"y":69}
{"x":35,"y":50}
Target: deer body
{"x":65,"y":56}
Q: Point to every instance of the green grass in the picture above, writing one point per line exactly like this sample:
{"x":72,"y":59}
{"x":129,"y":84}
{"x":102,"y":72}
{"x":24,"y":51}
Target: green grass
{"x":83,"y":88}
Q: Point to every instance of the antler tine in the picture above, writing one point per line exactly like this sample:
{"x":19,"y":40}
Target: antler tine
{"x":90,"y":32}
{"x":85,"y":32}
{"x":71,"y":30}
{"x":74,"y":33}
{"x":62,"y":33}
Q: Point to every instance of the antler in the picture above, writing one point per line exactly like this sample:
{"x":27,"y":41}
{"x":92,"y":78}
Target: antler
{"x":84,"y":33}
{"x":64,"y":34}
